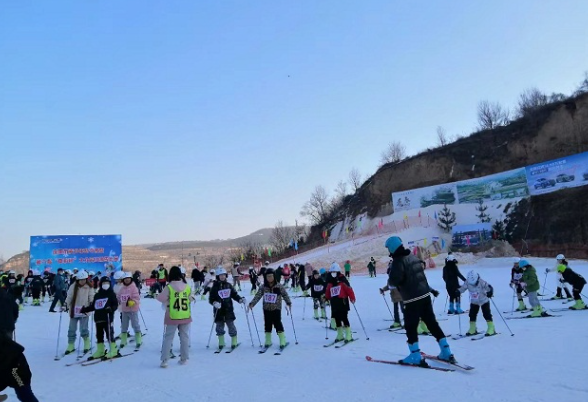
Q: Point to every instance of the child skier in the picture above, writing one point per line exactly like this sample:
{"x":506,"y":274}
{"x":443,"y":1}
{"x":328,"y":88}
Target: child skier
{"x":396,"y":298}
{"x":104,"y":306}
{"x":347,"y":267}
{"x":208,"y":281}
{"x":79,"y":295}
{"x":317,"y":288}
{"x":340,"y":294}
{"x":451,"y":276}
{"x":480,"y":292}
{"x":176,"y":297}
{"x":560,"y":259}
{"x":272,"y":293}
{"x":530,"y":282}
{"x":129,"y":299}
{"x":236,"y":274}
{"x":577,"y":281}
{"x":221,"y":297}
{"x":516,"y":277}
{"x":37,"y":285}
{"x":253,"y":280}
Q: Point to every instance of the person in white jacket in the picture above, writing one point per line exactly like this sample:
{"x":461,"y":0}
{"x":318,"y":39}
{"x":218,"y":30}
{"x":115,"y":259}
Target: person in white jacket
{"x":208,"y":282}
{"x":560,"y":283}
{"x":480,"y":294}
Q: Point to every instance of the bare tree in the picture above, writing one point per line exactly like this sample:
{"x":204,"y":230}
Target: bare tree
{"x":355,"y":179}
{"x":281,"y":236}
{"x":317,"y":208}
{"x":583,"y":87}
{"x":442,"y":138}
{"x":395,"y":152}
{"x":491,"y":115}
{"x":214,"y":260}
{"x":530,"y":100}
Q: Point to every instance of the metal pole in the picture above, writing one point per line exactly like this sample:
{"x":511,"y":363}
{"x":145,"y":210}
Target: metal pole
{"x":211,"y":328}
{"x":293,"y":328}
{"x":144,"y":324}
{"x":58,"y":336}
{"x":361,"y":322}
{"x":511,"y":334}
{"x":387,"y":305}
{"x":256,"y":330}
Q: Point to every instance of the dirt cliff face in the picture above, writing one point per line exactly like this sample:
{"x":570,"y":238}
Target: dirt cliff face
{"x":554,"y":131}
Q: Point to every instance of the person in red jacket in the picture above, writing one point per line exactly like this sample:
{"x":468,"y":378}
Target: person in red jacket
{"x":340,"y":294}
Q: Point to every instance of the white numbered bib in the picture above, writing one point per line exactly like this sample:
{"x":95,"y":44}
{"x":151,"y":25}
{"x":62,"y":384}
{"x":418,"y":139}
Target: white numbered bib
{"x":77,"y":312}
{"x":474,"y":296}
{"x":270,"y":298}
{"x":100,"y":303}
{"x":224,"y":293}
{"x":124,"y":298}
{"x":335,"y":291}
{"x":318,"y":288}
{"x":517,"y":277}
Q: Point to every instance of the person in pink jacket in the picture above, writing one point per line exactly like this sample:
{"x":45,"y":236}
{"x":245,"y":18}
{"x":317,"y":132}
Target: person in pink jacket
{"x":128,"y":301}
{"x":176,"y":297}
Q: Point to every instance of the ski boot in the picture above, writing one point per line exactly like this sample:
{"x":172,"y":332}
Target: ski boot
{"x":316,"y":314}
{"x":71,"y":347}
{"x":348,"y":335}
{"x":579,"y":305}
{"x":422,"y":329}
{"x":537,"y":311}
{"x":521,"y":306}
{"x":395,"y":325}
{"x":414,"y":358}
{"x":268,"y":339}
{"x":451,"y":308}
{"x":221,"y":341}
{"x":99,"y":353}
{"x":340,"y":335}
{"x":445,"y":351}
{"x":138,"y":340}
{"x":113,"y":352}
{"x":282,"y":337}
{"x":491,"y":330}
{"x":123,"y":340}
{"x":234,"y":342}
{"x":473,"y":330}
{"x":323,"y":314}
{"x":87,"y":344}
{"x":458,"y":309}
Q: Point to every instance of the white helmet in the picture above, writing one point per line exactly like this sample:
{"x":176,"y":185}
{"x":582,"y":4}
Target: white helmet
{"x":221,"y":271}
{"x":81,"y":275}
{"x":11,"y":272}
{"x":128,"y":275}
{"x":516,"y":260}
{"x":267,"y":263}
{"x":236,"y":264}
{"x":182,"y":270}
{"x":68,"y":271}
{"x":75,"y":269}
{"x":118,"y":275}
{"x":36,"y":272}
{"x":450,"y":257}
{"x":560,"y":257}
{"x":335,"y":267}
{"x":472,"y":277}
{"x":91,"y":273}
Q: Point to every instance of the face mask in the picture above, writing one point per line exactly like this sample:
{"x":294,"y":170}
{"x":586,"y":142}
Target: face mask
{"x":334,"y":274}
{"x":105,"y":286}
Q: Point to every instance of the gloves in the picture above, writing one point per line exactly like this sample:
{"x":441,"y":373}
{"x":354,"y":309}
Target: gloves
{"x":250,"y":306}
{"x":131,"y":303}
{"x":216,"y":305}
{"x":83,"y":310}
{"x":523,"y":284}
{"x":382,"y":291}
{"x":435,"y":292}
{"x":490,"y":293}
{"x":546,"y":270}
{"x":242,"y":301}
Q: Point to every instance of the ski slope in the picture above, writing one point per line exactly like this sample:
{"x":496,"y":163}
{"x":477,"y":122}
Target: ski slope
{"x":544,"y":361}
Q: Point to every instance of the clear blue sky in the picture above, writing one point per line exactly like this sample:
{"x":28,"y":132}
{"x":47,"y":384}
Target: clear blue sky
{"x":178,"y":120}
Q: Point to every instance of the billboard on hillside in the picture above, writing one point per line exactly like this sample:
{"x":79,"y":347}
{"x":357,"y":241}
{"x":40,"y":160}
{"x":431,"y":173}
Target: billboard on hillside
{"x":500,"y":186}
{"x":424,"y":197}
{"x":570,"y":171}
{"x":471,"y":235}
{"x":88,"y":252}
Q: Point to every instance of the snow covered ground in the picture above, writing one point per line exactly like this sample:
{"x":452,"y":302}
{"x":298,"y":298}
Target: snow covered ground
{"x":544,"y":361}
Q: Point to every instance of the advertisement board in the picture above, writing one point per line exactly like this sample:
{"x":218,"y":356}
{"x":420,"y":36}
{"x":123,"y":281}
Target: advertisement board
{"x":571,"y":171}
{"x":500,"y":186}
{"x":424,"y":197}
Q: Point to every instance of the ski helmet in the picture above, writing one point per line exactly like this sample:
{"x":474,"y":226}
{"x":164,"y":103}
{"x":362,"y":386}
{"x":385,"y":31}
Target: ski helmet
{"x":182,"y":270}
{"x":393,"y":243}
{"x":473,"y":277}
{"x":236,"y":264}
{"x":81,"y":275}
{"x":267,"y":263}
{"x":450,"y":258}
{"x":128,"y":275}
{"x":91,"y":273}
{"x":11,"y":272}
{"x":118,"y":275}
{"x":560,"y":257}
{"x":323,"y":270}
{"x":335,"y":267}
{"x":561,"y":268}
{"x":315,"y":272}
{"x":516,"y":260}
{"x":523,"y":263}
{"x":269,"y":271}
{"x":221,"y":271}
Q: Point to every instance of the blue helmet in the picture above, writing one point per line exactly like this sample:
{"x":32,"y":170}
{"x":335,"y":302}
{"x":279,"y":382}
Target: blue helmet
{"x":523,"y":263}
{"x":322,"y":270}
{"x":393,"y":243}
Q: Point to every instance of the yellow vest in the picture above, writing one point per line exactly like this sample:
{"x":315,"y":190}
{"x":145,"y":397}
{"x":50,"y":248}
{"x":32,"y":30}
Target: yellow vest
{"x":179,"y":303}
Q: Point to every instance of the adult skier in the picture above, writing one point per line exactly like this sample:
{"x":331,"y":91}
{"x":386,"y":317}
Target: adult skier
{"x":8,"y":311}
{"x":407,"y":273}
{"x":236,"y":274}
{"x":14,"y":370}
{"x":253,"y":279}
{"x":451,"y":276}
{"x":197,"y":279}
{"x":221,"y":298}
{"x":480,"y":294}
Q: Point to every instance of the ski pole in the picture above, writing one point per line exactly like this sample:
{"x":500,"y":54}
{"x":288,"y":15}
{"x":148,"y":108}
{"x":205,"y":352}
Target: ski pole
{"x":91,"y":333}
{"x":303,"y":311}
{"x":293,"y":328}
{"x":361,"y":322}
{"x":544,"y":282}
{"x":58,"y":336}
{"x":249,"y":326}
{"x":256,"y":330}
{"x":109,"y":337}
{"x":514,"y":295}
{"x":326,"y":326}
{"x":387,"y":305}
{"x":80,"y":340}
{"x":492,"y":300}
{"x":144,"y":324}
{"x":211,"y":328}
{"x":446,"y":300}
{"x":459,"y":321}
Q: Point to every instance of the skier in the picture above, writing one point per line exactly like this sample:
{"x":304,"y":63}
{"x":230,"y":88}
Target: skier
{"x":294,"y":276}
{"x":208,"y":281}
{"x":78,"y":296}
{"x":451,"y":276}
{"x":480,"y":294}
{"x":340,"y":294}
{"x":28,"y":281}
{"x":37,"y":286}
{"x":253,"y":279}
{"x":8,"y":310}
{"x":104,"y":306}
{"x":577,"y":281}
{"x":197,"y":279}
{"x":162,"y":275}
{"x":14,"y":370}
{"x":530,"y":283}
{"x":128,"y":300}
{"x":176,"y":297}
{"x":372,"y":267}
{"x":396,"y":298}
{"x":118,"y":278}
{"x":272,"y":293}
{"x":236,"y":274}
{"x":286,"y":273}
{"x":221,"y":298}
{"x":347,"y":267}
{"x":302,"y":276}
{"x":516,"y":276}
{"x":317,"y":288}
{"x":407,"y":273}
{"x":59,"y":286}
{"x":560,"y":259}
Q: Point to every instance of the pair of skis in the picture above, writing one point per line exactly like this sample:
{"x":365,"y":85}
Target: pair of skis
{"x":230,"y":350}
{"x":337,"y":345}
{"x":278,"y":353}
{"x":424,"y":364}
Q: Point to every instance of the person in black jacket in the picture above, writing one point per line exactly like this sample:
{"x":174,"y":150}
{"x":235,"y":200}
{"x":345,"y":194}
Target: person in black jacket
{"x":451,"y":275}
{"x":8,"y":310}
{"x":221,"y":297}
{"x":197,"y":279}
{"x":253,"y":278}
{"x":14,"y":370}
{"x":317,"y":288}
{"x":577,"y":281}
{"x":104,"y":305}
{"x":37,"y":286}
{"x":407,"y":274}
{"x":60,"y":290}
